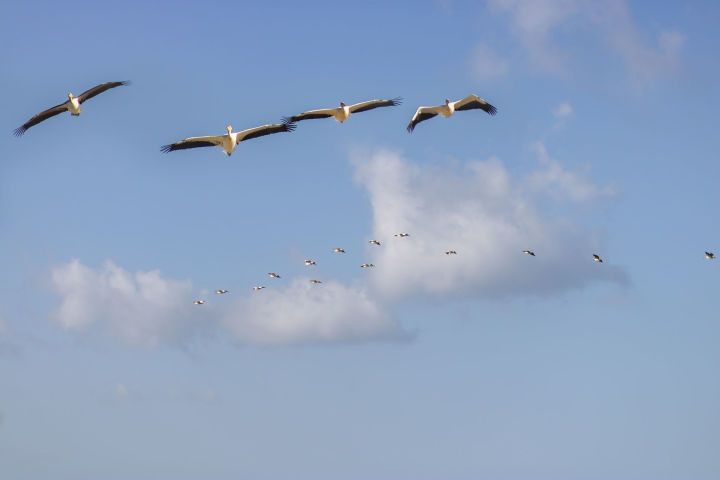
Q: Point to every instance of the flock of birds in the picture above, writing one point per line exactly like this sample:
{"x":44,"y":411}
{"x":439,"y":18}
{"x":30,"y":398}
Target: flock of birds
{"x":229,"y":141}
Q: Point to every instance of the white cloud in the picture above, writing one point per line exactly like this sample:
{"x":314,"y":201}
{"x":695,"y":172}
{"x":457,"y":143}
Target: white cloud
{"x":559,"y":183}
{"x":141,"y":308}
{"x":477,"y":209}
{"x":304,"y":312}
{"x":484,"y":214}
{"x":535,"y":23}
{"x":563,"y":110}
{"x":486,"y":63}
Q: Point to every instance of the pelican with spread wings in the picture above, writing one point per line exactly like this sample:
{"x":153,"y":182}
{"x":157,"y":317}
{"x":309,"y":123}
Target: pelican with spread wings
{"x":471,"y":102}
{"x":342,"y":112}
{"x":229,"y":141}
{"x":72,"y":105}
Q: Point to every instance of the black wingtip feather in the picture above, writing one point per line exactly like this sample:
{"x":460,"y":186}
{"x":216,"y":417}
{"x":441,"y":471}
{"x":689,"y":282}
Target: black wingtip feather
{"x":491,"y":110}
{"x":396,"y":101}
{"x":18,"y":132}
{"x":166,"y":148}
{"x":289,"y":126}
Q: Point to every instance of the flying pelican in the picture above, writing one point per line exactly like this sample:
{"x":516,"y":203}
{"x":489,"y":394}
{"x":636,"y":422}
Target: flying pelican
{"x":450,"y":252}
{"x":315,"y":281}
{"x":470,"y":102}
{"x":259,"y":287}
{"x":343,"y":111}
{"x":229,"y":141}
{"x":273,"y":275}
{"x":309,"y":262}
{"x":709,"y":255}
{"x":72,"y":105}
{"x":373,"y":242}
{"x":338,"y":250}
{"x":221,"y":291}
{"x":366,"y":265}
{"x":597,"y":258}
{"x":401,"y":235}
{"x":529,"y":252}
{"x":199,"y":302}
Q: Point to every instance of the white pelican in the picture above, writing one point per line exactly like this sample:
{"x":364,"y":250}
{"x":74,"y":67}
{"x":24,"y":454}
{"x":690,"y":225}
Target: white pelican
{"x":309,"y":262}
{"x":72,"y":105}
{"x":259,"y":287}
{"x":221,"y":291}
{"x":529,"y":252}
{"x":199,"y":302}
{"x":343,"y":111}
{"x":470,"y":102}
{"x":709,"y":255}
{"x":273,"y":275}
{"x":315,"y":281}
{"x":401,"y":235}
{"x":373,"y":242}
{"x":229,"y":141}
{"x":597,"y":258}
{"x":450,"y":252}
{"x":366,"y":265}
{"x":338,"y":250}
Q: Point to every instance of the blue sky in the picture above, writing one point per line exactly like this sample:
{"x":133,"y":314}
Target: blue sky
{"x":488,"y":364}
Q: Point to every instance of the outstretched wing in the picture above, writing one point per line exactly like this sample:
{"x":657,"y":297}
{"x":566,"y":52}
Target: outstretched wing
{"x":473,"y":102}
{"x":370,"y":104}
{"x":322,"y":113}
{"x":265,"y":130}
{"x":97,"y":90}
{"x":193,"y":142}
{"x":50,"y":112}
{"x":422,"y":114}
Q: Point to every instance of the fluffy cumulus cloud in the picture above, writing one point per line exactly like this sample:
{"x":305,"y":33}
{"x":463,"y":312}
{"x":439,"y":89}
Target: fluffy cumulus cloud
{"x":488,"y":218}
{"x":304,"y":312}
{"x":477,"y":209}
{"x":553,"y":180}
{"x":144,"y":308}
{"x":141,"y":308}
{"x":537,"y":25}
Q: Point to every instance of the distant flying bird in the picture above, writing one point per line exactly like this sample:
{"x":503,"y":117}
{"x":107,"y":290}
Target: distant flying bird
{"x":709,"y":255}
{"x":470,"y":102}
{"x":450,"y":252}
{"x":401,"y":235}
{"x":230,"y":140}
{"x":315,"y":281}
{"x":529,"y":252}
{"x":259,"y":287}
{"x":366,"y":265}
{"x":597,"y":258}
{"x":199,"y":302}
{"x":309,"y":262}
{"x":338,"y":250}
{"x":343,"y":111}
{"x":221,"y":291}
{"x":72,"y":106}
{"x":273,"y":275}
{"x":373,"y":242}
